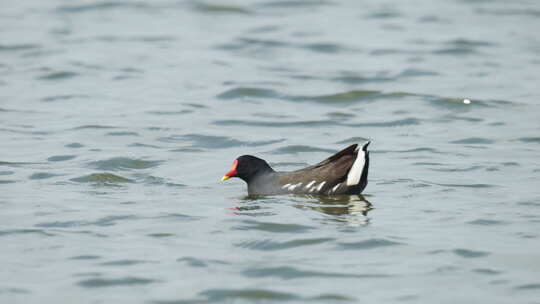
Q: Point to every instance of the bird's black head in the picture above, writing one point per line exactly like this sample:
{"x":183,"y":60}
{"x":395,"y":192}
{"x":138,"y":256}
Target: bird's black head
{"x":248,"y":167}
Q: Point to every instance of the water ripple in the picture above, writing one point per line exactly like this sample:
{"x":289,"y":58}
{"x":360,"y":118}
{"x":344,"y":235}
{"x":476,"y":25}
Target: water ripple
{"x":18,"y":47}
{"x":354,"y":96}
{"x":467,"y":169}
{"x":85,"y":257}
{"x":126,"y":281}
{"x":13,"y":290}
{"x":102,"y":222}
{"x":122,"y":133}
{"x":197,"y":262}
{"x":63,"y":97}
{"x":316,"y":123}
{"x":472,"y":140}
{"x":122,"y":263}
{"x":181,"y":112}
{"x":352,"y":140}
{"x":534,"y":13}
{"x":102,"y":178}
{"x":346,"y":97}
{"x":530,"y":139}
{"x":124,"y":163}
{"x":58,"y":158}
{"x":528,"y":286}
{"x":301,"y":4}
{"x":415,"y":150}
{"x":74,"y":145}
{"x":58,"y":75}
{"x":250,"y":295}
{"x":178,"y":217}
{"x":273,"y":227}
{"x":101,"y":6}
{"x":486,"y":271}
{"x":340,"y":97}
{"x":130,"y":73}
{"x":349,"y":77}
{"x":141,"y":145}
{"x":412,"y":72}
{"x":93,"y":127}
{"x":209,"y":8}
{"x":326,"y":48}
{"x":267,"y":244}
{"x":243,"y":92}
{"x":457,"y":103}
{"x":463,"y":47}
{"x":25,"y":231}
{"x":295,"y":149}
{"x":155,"y":180}
{"x":214,"y":142}
{"x":461,"y":185}
{"x":352,"y":78}
{"x":42,"y":175}
{"x":467,"y":253}
{"x":161,"y":235}
{"x":394,"y":123}
{"x":254,"y":44}
{"x":486,"y":222}
{"x":288,"y":273}
{"x":256,"y":295}
{"x":340,"y":115}
{"x":275,"y":124}
{"x":369,"y":244}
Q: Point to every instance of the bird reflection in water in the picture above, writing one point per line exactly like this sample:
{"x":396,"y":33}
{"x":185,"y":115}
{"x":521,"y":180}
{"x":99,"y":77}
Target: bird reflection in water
{"x":338,"y":205}
{"x":349,"y":209}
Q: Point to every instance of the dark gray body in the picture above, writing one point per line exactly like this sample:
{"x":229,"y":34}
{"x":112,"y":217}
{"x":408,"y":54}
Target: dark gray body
{"x":329,"y":177}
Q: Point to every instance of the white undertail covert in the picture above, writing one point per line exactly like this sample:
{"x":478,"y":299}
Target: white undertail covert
{"x":353,"y":178}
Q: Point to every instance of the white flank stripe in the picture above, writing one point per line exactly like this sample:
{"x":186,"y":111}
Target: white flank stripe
{"x":320,"y":186}
{"x":291,"y":188}
{"x":335,"y":187}
{"x":285,"y":186}
{"x":353,"y":178}
{"x":310,"y":184}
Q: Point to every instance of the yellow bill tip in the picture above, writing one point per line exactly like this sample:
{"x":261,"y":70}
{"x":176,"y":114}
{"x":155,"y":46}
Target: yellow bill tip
{"x":224,"y":178}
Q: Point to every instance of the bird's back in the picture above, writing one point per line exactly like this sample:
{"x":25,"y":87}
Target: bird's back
{"x":343,"y":173}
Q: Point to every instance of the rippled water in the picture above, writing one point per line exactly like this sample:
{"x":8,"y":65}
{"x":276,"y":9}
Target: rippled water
{"x":118,"y":118}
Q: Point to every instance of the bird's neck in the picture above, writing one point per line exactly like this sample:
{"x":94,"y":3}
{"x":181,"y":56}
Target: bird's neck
{"x":261,"y":173}
{"x":263,"y":183}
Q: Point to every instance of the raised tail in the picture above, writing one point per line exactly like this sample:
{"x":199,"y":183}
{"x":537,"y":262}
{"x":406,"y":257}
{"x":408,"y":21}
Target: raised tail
{"x":357,"y":178}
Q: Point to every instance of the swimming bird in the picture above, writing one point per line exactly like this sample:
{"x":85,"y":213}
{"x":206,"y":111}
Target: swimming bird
{"x":345,"y":172}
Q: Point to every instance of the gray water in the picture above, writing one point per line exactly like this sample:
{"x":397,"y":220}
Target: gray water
{"x":118,"y":119}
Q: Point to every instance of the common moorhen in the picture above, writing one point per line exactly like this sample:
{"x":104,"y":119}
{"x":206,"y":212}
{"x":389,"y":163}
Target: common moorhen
{"x":345,"y":172}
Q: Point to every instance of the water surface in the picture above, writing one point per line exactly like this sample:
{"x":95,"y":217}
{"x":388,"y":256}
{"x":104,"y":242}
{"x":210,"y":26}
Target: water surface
{"x":118,"y":118}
